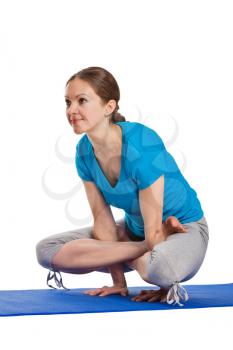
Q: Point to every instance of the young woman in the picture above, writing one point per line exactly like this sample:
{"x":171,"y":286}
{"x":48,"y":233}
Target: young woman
{"x":163,"y":234}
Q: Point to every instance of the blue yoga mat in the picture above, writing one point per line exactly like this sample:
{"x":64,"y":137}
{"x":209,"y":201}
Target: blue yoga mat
{"x":73,"y":301}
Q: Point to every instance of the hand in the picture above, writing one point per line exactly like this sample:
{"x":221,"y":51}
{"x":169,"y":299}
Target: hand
{"x":102,"y":292}
{"x":151,"y":295}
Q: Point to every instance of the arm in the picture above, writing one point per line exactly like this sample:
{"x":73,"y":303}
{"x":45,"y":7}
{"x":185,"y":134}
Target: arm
{"x":151,"y":205}
{"x":104,"y":227}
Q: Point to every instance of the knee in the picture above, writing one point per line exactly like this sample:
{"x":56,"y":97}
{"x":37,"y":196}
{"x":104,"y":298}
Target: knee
{"x":42,"y":253}
{"x":160,"y":270}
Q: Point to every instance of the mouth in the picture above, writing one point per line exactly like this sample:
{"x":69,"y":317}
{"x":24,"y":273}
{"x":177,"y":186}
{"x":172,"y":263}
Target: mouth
{"x":76,"y":121}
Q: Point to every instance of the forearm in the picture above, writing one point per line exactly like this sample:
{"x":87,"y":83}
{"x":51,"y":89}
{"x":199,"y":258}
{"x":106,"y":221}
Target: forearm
{"x":116,"y":270}
{"x":117,"y":273}
{"x":105,"y":233}
{"x":155,"y":238}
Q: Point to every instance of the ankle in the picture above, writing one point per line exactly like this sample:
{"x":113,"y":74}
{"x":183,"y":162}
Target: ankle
{"x":165,"y":229}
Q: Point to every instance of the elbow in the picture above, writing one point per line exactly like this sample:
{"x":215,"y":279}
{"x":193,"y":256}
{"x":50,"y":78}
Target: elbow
{"x":150,"y":245}
{"x":153,"y":239}
{"x":104,"y":234}
{"x":150,"y":242}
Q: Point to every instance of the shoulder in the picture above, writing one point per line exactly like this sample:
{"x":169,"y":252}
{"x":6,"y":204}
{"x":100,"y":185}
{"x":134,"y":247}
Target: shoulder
{"x":141,"y":137}
{"x":144,"y":150}
{"x":83,"y":146}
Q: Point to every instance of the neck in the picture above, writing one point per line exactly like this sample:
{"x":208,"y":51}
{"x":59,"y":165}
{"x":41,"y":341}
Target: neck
{"x":106,"y":139}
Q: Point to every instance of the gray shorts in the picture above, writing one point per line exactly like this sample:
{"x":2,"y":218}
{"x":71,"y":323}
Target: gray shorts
{"x":184,"y":251}
{"x":174,"y":260}
{"x":47,"y":248}
{"x":179,"y":257}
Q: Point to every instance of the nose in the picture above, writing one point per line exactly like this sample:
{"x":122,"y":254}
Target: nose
{"x":72,"y":112}
{"x":73,"y":108}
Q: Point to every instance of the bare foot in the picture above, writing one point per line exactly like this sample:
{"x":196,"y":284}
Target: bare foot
{"x":172,"y":225}
{"x":152,"y":295}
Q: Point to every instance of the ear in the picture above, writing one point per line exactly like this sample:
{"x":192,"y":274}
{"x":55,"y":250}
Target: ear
{"x":110,"y":106}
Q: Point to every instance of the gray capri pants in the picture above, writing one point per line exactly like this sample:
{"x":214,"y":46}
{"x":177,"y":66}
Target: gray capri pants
{"x":172,"y":261}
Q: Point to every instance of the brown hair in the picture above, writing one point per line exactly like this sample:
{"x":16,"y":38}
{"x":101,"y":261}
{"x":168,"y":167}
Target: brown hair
{"x":105,"y":86}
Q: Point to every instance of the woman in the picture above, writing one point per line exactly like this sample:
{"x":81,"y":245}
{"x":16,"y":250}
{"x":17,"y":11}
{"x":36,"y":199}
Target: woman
{"x":163,"y":235}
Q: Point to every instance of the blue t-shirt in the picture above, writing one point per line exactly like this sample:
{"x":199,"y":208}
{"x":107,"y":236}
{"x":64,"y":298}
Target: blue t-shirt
{"x":144,"y":159}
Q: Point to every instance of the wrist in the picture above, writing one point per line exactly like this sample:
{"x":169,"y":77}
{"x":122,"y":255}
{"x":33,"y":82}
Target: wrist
{"x":117,"y":273}
{"x":158,"y":237}
{"x":121,"y":285}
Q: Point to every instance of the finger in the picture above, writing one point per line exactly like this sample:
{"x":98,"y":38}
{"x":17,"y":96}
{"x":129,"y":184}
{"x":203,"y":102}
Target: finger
{"x":142,"y":293}
{"x":145,"y":291}
{"x":141,"y":297}
{"x":153,"y":299}
{"x":93,"y":292}
{"x":159,"y":297}
{"x":124,"y":293}
{"x":146,"y":297}
{"x":152,"y":296}
{"x":88,"y":292}
{"x":135,"y":298}
{"x":163,"y":300}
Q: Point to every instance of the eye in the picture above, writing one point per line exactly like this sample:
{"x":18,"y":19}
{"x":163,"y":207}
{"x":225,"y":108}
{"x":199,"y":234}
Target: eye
{"x":82,"y":99}
{"x":67,"y":103}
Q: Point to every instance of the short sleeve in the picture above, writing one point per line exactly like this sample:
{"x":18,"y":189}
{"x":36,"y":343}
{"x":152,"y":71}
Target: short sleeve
{"x":81,"y":166}
{"x":149,"y":165}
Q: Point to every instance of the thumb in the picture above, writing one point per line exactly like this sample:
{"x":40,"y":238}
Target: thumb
{"x":124,"y":293}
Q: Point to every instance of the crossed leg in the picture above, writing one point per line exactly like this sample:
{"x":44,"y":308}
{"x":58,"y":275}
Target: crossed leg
{"x":170,"y":226}
{"x":175,"y":260}
{"x":87,"y":254}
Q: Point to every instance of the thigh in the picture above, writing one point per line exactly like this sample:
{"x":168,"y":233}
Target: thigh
{"x":183,"y":252}
{"x":122,"y":232}
{"x":48,"y":247}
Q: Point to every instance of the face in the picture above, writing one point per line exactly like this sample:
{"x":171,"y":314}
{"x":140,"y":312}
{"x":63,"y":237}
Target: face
{"x":84,"y":108}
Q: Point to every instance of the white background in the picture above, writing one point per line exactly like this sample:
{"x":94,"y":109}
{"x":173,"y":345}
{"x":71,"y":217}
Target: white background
{"x":173,"y":63}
